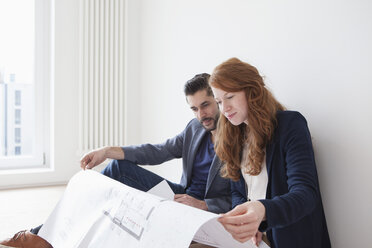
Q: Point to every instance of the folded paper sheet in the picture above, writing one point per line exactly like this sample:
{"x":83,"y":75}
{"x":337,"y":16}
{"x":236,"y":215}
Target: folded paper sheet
{"x":96,"y":211}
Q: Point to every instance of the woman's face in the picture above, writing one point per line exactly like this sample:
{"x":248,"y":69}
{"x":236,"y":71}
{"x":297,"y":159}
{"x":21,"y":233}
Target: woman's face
{"x":233,"y":105}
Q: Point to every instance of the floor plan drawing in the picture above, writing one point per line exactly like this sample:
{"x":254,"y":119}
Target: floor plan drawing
{"x":131,"y":214}
{"x":96,"y":211}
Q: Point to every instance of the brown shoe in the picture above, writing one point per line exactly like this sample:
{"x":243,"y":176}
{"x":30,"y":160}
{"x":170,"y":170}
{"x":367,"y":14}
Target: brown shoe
{"x":26,"y":239}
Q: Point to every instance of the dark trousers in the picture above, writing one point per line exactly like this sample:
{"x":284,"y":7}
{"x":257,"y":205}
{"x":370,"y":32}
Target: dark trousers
{"x":136,"y":177}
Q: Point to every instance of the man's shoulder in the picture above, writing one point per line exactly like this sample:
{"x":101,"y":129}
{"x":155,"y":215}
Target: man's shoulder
{"x":194,"y":123}
{"x":194,"y":127}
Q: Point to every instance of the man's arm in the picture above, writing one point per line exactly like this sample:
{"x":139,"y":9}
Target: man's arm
{"x":154,"y":154}
{"x":96,"y":157}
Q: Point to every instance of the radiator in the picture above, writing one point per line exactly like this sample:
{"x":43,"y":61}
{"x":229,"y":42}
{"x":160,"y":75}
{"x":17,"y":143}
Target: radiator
{"x":101,"y":74}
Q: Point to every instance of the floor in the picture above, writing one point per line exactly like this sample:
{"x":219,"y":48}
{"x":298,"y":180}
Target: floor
{"x":26,"y":208}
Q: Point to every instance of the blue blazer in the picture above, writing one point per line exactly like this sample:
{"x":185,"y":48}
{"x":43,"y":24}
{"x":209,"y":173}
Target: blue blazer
{"x":185,"y":145}
{"x":294,"y":210}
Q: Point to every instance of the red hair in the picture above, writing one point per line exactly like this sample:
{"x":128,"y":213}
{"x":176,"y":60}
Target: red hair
{"x":234,"y":75}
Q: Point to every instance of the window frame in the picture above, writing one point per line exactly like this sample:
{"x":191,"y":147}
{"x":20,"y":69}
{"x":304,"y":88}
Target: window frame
{"x":42,"y":85}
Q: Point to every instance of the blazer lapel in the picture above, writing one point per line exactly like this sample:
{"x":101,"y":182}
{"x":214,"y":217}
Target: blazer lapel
{"x":270,"y":148}
{"x":195,"y":143}
{"x":269,"y":157}
{"x":215,"y":168}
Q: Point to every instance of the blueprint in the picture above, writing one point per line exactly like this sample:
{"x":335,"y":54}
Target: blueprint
{"x":96,"y":211}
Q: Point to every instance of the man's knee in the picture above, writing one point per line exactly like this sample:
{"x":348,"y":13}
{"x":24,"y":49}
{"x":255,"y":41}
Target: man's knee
{"x":117,"y":168}
{"x":110,"y":168}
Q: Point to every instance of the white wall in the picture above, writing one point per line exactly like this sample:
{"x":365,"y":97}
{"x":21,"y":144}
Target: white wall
{"x":316,"y":56}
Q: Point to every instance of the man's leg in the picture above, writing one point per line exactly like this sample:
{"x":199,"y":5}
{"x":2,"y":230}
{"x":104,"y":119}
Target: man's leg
{"x":136,"y":177}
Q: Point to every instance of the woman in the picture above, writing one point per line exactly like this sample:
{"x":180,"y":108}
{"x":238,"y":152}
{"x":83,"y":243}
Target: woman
{"x":268,"y":155}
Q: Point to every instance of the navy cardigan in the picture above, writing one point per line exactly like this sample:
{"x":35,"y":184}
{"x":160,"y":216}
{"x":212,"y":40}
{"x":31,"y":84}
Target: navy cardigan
{"x":294,"y":210}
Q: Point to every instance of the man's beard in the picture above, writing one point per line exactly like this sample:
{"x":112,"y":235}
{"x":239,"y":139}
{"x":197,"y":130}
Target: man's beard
{"x":215,"y":120}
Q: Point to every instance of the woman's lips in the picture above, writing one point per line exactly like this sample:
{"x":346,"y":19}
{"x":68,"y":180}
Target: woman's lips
{"x":230,"y":116}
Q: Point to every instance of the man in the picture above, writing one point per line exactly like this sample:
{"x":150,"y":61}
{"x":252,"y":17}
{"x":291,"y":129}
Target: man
{"x":201,"y":185}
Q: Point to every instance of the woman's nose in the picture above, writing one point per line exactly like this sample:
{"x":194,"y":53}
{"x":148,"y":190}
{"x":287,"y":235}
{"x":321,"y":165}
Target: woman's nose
{"x":225,"y":107}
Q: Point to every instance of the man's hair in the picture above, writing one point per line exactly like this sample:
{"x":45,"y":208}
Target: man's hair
{"x":198,"y":82}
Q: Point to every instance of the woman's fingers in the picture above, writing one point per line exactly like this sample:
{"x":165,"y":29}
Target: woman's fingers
{"x":241,"y":232}
{"x":243,"y":221}
{"x":257,"y":238}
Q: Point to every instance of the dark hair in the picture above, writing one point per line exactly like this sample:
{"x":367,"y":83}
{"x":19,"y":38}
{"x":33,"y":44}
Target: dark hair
{"x":198,"y":82}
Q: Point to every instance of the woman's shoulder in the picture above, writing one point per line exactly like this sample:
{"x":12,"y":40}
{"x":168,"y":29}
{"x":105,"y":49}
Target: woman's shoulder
{"x":288,"y":117}
{"x":289,"y":122}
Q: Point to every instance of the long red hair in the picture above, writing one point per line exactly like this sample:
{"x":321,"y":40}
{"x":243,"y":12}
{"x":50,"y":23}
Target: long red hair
{"x":234,"y":75}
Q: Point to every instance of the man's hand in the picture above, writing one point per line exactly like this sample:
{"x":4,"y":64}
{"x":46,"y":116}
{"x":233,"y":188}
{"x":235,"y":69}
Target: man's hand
{"x":190,"y":201}
{"x":93,"y":158}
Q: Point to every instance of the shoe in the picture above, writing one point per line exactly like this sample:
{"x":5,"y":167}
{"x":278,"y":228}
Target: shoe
{"x":26,"y":239}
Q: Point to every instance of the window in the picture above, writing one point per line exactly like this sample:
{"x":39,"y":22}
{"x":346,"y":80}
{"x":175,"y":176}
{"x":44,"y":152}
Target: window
{"x":17,"y":135}
{"x":17,"y":98}
{"x":17,"y":116}
{"x":24,"y":83}
{"x":17,"y":150}
{"x":12,"y":77}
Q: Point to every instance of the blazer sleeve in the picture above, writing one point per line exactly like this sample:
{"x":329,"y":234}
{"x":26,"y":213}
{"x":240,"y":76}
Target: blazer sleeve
{"x":238,"y":192}
{"x":154,"y":154}
{"x":218,"y":205}
{"x":298,"y":180}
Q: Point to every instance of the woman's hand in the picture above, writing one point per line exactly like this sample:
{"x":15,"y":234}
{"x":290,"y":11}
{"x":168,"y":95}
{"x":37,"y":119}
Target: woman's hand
{"x":243,"y":221}
{"x":257,"y":239}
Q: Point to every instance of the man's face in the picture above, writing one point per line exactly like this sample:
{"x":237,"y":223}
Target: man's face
{"x":205,"y":109}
